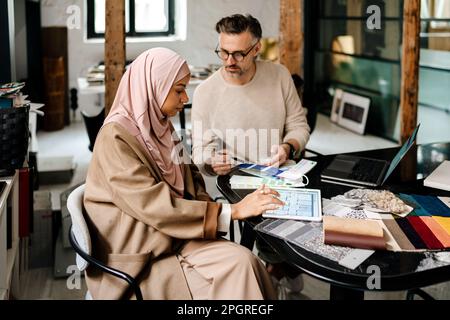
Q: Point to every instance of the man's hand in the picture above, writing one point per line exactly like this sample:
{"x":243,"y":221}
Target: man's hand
{"x":221,"y":163}
{"x":256,"y":203}
{"x":280,"y":154}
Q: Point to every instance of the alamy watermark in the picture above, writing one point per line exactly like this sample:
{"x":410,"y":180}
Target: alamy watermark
{"x":74,"y":19}
{"x":374,"y":280}
{"x":374,"y":20}
{"x":255,"y":144}
{"x":73,"y":282}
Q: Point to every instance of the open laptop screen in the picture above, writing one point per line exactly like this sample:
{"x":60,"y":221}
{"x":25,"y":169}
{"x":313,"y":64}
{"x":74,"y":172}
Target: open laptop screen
{"x":401,"y":153}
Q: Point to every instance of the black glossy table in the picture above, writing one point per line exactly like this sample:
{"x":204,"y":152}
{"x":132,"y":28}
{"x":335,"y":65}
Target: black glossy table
{"x":398,"y":270}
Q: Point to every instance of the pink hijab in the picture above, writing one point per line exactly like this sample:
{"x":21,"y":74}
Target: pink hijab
{"x":142,"y":92}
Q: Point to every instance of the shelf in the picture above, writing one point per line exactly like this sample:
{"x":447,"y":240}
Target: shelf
{"x":327,"y":131}
{"x":11,"y":259}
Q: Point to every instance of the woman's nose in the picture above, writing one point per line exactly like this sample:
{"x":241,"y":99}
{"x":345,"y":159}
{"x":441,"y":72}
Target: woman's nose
{"x":185,"y":98}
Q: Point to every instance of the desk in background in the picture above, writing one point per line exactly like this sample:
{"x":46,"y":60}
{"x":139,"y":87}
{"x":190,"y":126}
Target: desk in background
{"x":84,"y":88}
{"x":398,"y":270}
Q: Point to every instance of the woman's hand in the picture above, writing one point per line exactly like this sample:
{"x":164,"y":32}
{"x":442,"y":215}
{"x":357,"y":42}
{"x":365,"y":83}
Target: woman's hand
{"x":256,"y":203}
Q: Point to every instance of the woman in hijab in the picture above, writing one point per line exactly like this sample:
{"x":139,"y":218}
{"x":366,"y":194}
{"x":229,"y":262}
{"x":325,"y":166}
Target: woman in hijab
{"x":149,"y":214}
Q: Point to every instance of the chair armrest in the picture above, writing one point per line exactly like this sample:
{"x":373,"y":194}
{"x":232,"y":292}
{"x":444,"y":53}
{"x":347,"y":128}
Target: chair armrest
{"x":98,"y":264}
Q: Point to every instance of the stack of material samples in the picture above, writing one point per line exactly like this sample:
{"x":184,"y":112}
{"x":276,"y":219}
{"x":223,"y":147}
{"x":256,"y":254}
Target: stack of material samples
{"x":10,"y":95}
{"x":309,"y":236}
{"x":410,"y":222}
{"x":291,"y":176}
{"x":248,"y":182}
{"x":356,"y":233}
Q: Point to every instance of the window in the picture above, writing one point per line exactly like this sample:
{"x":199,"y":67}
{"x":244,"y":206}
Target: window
{"x":347,"y":55}
{"x":143,"y":18}
{"x":435,"y":54}
{"x":341,"y":53}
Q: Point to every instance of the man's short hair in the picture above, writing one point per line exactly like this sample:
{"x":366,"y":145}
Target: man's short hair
{"x":239,"y":23}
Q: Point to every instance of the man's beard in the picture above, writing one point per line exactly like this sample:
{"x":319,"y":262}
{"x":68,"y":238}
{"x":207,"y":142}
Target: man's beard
{"x":234,"y":72}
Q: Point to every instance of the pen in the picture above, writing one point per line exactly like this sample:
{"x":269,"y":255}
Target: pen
{"x":239,"y":161}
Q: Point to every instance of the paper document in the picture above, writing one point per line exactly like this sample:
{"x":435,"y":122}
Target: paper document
{"x":440,"y":177}
{"x":299,"y":170}
{"x":292,"y":175}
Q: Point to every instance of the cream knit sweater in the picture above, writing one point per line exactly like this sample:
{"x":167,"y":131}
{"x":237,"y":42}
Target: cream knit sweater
{"x":247,"y":119}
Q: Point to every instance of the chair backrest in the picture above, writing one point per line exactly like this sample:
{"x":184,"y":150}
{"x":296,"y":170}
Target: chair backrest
{"x":79,"y":226}
{"x":311,"y":116}
{"x":93,"y":125}
{"x":82,"y":242}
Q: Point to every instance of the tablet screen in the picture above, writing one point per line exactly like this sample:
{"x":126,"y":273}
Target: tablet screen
{"x":300,"y":204}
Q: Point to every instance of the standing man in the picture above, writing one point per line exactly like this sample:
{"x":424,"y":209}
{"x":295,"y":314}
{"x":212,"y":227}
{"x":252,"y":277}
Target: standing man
{"x":250,"y":111}
{"x":247,"y":110}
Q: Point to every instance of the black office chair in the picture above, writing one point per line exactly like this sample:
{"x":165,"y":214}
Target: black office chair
{"x":80,"y":241}
{"x":311,"y":116}
{"x":93,"y":125}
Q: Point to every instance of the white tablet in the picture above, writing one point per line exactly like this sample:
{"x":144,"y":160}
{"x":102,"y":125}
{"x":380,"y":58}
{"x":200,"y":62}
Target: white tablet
{"x":300,"y":204}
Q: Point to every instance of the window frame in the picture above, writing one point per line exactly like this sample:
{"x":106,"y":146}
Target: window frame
{"x":132,"y":33}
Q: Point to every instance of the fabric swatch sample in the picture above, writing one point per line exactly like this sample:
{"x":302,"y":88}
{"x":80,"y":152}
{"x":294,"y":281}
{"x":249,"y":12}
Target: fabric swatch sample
{"x":391,"y":242}
{"x":356,"y":233}
{"x":438,"y":231}
{"x":433,"y":205}
{"x":444,"y":223}
{"x":418,"y":209}
{"x":398,"y":235}
{"x":425,"y":233}
{"x":412,"y":235}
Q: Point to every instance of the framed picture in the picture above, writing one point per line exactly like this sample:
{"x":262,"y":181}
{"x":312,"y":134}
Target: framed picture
{"x":353,"y":112}
{"x":334,"y":117}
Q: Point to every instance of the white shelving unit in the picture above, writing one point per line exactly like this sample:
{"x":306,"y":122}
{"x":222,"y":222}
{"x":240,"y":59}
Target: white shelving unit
{"x":9,"y":257}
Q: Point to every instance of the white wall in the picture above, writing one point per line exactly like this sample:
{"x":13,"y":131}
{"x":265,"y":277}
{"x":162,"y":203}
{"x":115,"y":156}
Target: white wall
{"x":201,"y":37}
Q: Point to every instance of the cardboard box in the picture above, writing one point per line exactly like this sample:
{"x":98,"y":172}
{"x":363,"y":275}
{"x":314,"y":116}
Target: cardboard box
{"x":55,"y":170}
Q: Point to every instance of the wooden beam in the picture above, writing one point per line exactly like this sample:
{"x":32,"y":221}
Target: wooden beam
{"x":409,"y":93}
{"x":115,"y":53}
{"x":291,"y":35}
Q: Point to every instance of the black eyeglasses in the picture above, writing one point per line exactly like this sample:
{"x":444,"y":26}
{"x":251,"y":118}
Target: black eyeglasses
{"x":237,"y":55}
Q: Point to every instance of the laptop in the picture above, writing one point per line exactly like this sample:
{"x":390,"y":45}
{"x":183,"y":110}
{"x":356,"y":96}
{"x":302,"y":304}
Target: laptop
{"x":364,"y":172}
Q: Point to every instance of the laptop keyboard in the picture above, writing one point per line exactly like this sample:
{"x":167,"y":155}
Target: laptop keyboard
{"x":367,"y":170}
